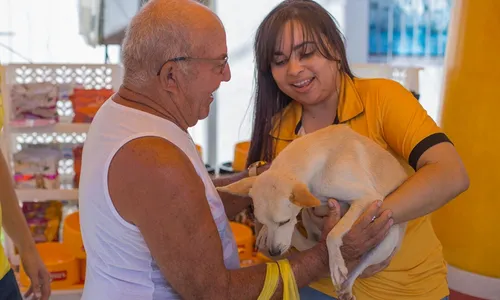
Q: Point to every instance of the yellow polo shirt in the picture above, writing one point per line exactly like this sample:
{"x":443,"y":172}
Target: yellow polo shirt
{"x":386,"y":112}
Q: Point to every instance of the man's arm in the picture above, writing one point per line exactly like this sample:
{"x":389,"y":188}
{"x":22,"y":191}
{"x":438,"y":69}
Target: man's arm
{"x":154,"y":186}
{"x":228,"y":179}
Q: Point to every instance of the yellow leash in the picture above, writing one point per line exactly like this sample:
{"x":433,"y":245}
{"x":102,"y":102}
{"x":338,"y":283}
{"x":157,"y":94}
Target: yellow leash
{"x":274,"y":269}
{"x":290,"y":290}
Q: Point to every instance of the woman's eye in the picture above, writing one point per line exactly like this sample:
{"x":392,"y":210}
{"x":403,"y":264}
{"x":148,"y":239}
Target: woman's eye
{"x":308,"y":54}
{"x":279,"y":62}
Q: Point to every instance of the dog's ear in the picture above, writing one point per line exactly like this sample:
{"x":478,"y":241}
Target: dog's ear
{"x":239,"y":188}
{"x":301,"y":196}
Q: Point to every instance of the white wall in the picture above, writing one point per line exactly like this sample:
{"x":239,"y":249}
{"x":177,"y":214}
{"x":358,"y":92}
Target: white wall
{"x":357,"y":30}
{"x":46,"y":31}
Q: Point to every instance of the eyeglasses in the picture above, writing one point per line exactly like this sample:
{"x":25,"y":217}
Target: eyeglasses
{"x":222,"y":62}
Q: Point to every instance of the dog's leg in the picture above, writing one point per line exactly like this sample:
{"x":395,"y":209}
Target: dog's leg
{"x":338,"y":269}
{"x":375,"y":256}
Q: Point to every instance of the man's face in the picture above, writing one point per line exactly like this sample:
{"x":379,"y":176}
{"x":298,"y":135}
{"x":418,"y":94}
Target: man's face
{"x":206,"y":70}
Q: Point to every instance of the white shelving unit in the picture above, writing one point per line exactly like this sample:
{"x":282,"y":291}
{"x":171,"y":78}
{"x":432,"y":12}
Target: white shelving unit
{"x":14,"y":135}
{"x":64,"y":132}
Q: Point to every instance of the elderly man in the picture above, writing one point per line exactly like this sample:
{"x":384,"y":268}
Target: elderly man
{"x":153,"y":224}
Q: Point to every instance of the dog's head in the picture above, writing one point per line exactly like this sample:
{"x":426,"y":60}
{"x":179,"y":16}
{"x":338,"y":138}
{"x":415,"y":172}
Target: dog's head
{"x":277,"y":202}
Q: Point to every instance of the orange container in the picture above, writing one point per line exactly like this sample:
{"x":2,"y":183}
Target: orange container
{"x":72,"y":236}
{"x":83,"y":268}
{"x":200,"y":150}
{"x":244,"y":238}
{"x":64,"y":268}
{"x":240,"y":156}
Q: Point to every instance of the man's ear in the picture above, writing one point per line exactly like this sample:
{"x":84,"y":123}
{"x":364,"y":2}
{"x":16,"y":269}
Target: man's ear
{"x":301,"y":196}
{"x":169,"y":77}
{"x":239,"y":188}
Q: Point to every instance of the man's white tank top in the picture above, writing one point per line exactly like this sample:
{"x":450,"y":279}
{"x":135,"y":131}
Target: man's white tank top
{"x":119,"y":263}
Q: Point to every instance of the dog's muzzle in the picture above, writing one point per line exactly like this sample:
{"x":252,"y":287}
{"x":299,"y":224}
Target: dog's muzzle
{"x":274,"y":252}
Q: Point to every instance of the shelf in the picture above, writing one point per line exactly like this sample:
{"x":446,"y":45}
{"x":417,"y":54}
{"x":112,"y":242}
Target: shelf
{"x":76,"y":291}
{"x":45,"y":195}
{"x":58,"y":128}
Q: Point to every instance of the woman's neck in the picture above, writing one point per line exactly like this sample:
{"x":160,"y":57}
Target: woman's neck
{"x":320,"y":115}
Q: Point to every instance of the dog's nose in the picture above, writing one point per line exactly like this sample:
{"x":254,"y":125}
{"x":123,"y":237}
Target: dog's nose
{"x":274,"y":252}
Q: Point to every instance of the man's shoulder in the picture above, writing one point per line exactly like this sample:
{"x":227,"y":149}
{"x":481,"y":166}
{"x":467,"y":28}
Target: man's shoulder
{"x":151,"y":157}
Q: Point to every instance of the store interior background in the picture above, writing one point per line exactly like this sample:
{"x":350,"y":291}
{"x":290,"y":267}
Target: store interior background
{"x":384,"y":38}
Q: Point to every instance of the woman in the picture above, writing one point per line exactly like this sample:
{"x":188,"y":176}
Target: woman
{"x":304,"y":83}
{"x":14,"y":223}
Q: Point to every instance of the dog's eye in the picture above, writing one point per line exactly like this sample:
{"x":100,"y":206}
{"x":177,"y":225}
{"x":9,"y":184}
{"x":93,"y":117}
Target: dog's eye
{"x":284,"y":222}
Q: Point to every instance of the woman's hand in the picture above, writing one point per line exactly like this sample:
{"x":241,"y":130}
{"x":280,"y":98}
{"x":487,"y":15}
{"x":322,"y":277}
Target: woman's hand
{"x":263,"y":168}
{"x":38,"y":275}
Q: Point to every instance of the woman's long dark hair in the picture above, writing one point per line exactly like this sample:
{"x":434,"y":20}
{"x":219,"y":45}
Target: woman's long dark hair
{"x":318,"y":25}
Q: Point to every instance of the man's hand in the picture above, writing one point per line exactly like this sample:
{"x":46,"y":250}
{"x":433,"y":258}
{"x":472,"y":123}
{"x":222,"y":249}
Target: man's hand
{"x":367,"y":232}
{"x":39,"y":276}
{"x":363,"y":236}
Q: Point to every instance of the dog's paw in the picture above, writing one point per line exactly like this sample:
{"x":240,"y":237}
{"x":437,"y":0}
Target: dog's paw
{"x":345,"y":292}
{"x":339,"y":275}
{"x":346,"y":296}
{"x":338,"y":270}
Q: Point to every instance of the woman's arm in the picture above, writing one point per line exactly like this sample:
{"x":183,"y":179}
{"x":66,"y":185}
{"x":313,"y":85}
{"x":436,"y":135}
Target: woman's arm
{"x":440,"y":177}
{"x":233,"y":204}
{"x":17,"y":229}
{"x":410,"y":132}
{"x":12,"y":218}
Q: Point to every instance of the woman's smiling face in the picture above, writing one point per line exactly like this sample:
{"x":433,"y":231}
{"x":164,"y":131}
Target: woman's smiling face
{"x":299,"y":68}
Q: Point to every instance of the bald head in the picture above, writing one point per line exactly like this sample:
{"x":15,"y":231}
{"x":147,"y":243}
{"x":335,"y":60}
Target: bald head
{"x":162,"y":30}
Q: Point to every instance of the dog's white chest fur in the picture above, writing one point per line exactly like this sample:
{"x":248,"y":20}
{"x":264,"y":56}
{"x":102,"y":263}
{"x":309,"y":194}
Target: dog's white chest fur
{"x":334,"y":162}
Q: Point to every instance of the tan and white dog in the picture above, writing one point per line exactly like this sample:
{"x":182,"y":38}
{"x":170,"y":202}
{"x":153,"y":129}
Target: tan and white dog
{"x":334,"y":162}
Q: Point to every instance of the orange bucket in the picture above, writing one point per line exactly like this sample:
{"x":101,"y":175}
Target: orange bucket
{"x":244,"y":238}
{"x":72,"y":236}
{"x":240,"y":156}
{"x":63,"y":266}
{"x":83,"y":268}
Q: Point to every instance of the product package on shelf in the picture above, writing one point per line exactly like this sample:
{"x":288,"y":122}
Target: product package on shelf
{"x":44,"y":220}
{"x":39,"y":104}
{"x":32,"y":101}
{"x":36,"y":168}
{"x":86,"y":103}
